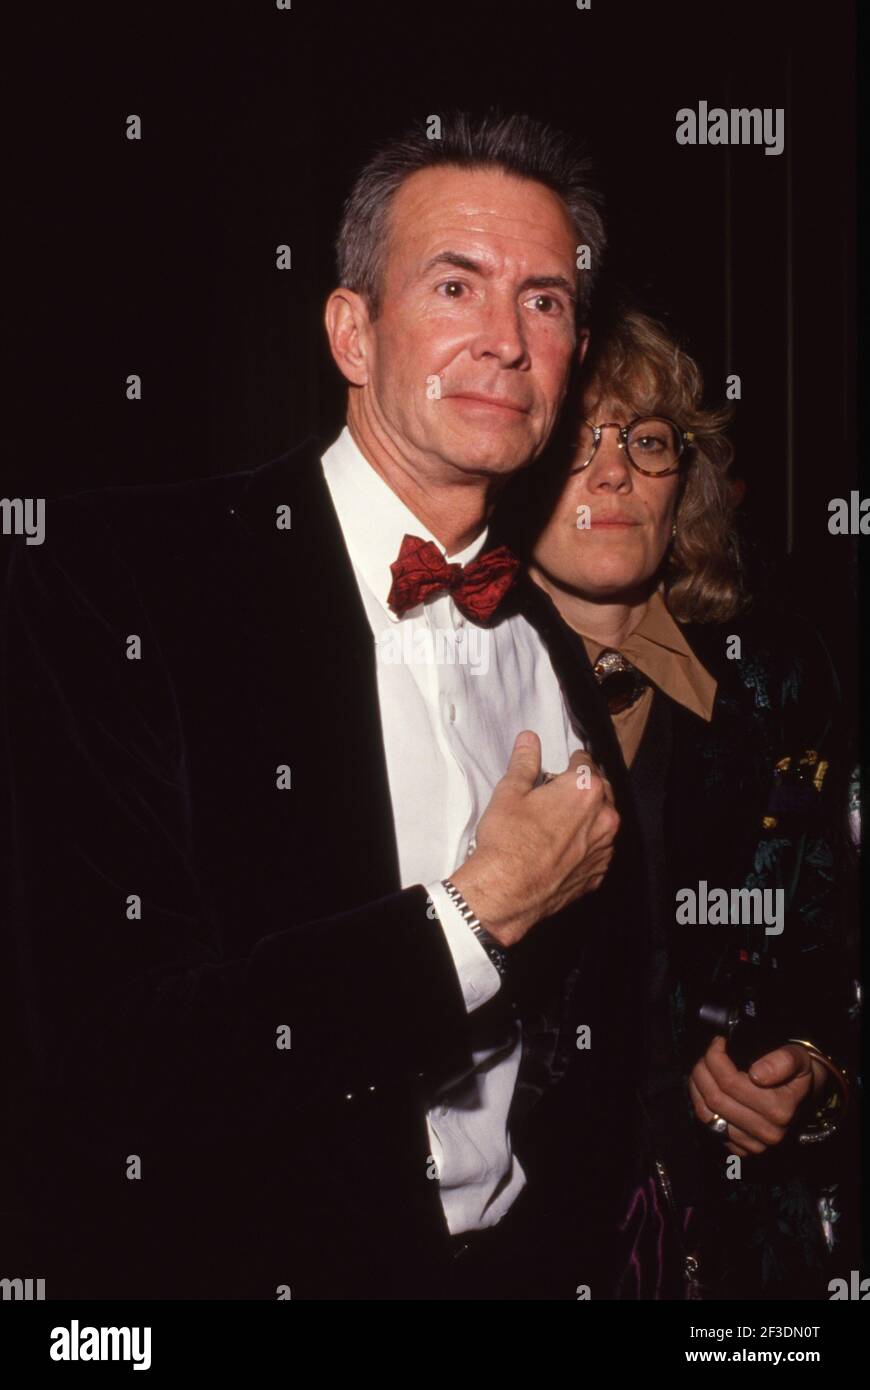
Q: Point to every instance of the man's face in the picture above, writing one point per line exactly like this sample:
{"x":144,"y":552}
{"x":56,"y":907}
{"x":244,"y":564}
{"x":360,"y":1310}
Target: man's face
{"x":468,"y":359}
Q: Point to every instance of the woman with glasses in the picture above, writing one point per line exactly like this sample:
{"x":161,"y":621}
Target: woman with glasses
{"x":726,"y":724}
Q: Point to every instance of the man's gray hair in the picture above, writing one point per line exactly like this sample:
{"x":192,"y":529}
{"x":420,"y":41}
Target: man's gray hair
{"x":516,"y":144}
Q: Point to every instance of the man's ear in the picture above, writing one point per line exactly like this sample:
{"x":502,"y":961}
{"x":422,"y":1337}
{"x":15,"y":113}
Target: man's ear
{"x":349,"y":331}
{"x":582,"y":345}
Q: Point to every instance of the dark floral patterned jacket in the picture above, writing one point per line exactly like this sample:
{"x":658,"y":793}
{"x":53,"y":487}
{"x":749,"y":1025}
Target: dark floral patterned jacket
{"x":758,"y":799}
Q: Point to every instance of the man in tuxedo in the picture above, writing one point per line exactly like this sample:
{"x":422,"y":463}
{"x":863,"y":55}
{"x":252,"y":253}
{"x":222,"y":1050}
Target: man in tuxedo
{"x":308,"y":942}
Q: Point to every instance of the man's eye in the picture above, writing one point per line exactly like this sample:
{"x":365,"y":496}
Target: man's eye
{"x":453,"y":289}
{"x":545,"y":304}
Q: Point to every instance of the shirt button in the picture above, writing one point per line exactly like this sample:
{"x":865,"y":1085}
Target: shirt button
{"x":451,"y":713}
{"x":460,"y":621}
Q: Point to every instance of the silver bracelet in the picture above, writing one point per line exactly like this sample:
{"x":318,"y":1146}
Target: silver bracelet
{"x":496,"y":953}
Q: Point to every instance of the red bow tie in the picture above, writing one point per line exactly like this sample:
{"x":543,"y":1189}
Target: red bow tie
{"x":477,"y":588}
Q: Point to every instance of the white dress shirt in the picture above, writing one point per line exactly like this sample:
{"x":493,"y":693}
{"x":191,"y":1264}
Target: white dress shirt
{"x":453,"y":697}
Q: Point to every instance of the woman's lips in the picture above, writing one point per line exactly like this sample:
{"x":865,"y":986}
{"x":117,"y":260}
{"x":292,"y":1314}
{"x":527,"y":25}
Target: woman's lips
{"x":615,"y":525}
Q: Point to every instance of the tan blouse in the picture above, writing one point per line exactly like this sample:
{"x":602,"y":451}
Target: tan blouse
{"x":658,"y":649}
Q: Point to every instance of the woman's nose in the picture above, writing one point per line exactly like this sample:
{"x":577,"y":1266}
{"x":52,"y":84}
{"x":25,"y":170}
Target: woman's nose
{"x":610,"y":465}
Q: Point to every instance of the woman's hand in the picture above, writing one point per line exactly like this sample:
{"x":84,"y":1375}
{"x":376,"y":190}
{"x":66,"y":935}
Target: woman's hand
{"x":760,"y":1104}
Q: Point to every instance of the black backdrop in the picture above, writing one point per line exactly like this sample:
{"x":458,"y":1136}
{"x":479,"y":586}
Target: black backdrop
{"x":158,"y":257}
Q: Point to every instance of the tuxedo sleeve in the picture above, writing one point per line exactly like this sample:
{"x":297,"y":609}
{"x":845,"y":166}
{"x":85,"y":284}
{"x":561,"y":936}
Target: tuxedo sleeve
{"x":121,"y":968}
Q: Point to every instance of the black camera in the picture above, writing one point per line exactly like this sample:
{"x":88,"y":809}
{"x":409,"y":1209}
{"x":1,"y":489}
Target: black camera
{"x":746,"y":1008}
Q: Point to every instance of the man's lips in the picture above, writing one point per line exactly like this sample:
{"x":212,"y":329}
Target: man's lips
{"x":480,"y":398}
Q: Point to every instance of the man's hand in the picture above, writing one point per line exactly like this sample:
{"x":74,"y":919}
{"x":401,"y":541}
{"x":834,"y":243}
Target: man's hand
{"x":760,"y":1104}
{"x":538,"y":848}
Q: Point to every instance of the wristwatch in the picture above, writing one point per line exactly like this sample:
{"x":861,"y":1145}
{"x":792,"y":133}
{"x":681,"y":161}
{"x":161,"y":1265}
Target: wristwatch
{"x":496,"y":953}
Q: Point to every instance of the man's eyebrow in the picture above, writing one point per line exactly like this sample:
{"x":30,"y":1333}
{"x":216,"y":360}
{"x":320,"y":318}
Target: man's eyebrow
{"x":456,"y":259}
{"x":531,"y":282}
{"x":549,"y":282}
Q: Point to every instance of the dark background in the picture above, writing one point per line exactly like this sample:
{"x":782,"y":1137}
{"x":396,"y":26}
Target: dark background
{"x":158,"y":257}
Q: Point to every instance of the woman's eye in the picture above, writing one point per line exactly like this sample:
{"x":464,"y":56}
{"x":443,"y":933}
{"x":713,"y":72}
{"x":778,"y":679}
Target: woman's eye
{"x":650,"y":443}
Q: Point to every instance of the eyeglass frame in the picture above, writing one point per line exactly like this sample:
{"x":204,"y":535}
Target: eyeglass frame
{"x":684,"y":438}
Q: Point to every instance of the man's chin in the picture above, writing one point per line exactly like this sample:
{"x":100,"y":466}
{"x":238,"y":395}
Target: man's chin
{"x":494,"y":455}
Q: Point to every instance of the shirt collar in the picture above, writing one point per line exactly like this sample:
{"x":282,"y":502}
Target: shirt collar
{"x":658,"y":648}
{"x":373,"y":519}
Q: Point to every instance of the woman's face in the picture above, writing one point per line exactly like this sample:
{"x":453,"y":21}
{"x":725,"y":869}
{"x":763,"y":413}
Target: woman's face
{"x":622,"y":539}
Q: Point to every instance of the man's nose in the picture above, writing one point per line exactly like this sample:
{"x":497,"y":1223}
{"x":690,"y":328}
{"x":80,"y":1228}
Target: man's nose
{"x":500,"y":333}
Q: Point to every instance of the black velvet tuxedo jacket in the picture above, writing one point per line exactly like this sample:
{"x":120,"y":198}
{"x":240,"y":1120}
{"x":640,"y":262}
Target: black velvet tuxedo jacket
{"x":172,"y":910}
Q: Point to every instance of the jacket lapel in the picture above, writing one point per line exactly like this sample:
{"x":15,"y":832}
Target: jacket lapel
{"x":585,"y":701}
{"x":322,"y":702}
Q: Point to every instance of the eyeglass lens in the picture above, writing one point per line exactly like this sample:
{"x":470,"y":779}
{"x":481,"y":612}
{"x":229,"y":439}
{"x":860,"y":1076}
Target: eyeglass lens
{"x":652,"y":443}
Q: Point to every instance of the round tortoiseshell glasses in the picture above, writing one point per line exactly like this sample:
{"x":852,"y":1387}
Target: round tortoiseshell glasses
{"x":653,"y":444}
